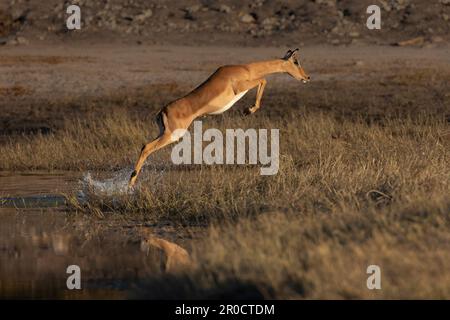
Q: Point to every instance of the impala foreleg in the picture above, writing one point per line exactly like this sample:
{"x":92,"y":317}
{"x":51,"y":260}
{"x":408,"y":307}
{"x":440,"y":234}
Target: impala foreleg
{"x":261,"y":83}
{"x":148,"y":149}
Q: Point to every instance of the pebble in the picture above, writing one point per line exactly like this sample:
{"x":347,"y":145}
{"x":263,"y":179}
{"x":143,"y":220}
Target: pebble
{"x":224,"y":8}
{"x":247,"y":18}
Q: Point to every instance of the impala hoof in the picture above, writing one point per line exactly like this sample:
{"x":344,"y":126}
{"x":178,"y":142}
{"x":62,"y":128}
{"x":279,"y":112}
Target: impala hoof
{"x":248,"y":111}
{"x":132,"y":179}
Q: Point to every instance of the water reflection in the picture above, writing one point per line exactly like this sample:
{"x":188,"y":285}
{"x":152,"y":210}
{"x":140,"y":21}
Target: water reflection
{"x":39,"y":240}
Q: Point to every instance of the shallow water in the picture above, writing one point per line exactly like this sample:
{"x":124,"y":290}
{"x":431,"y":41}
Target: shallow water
{"x":34,"y":190}
{"x":40,"y":238}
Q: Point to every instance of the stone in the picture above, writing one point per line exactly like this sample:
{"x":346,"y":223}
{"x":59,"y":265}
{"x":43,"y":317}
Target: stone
{"x":247,"y":18}
{"x":144,"y":15}
{"x":411,"y":42}
{"x":437,"y":39}
{"x":270,"y":23}
{"x":224,"y":8}
{"x":335,"y":42}
{"x":22,"y":40}
{"x":335,"y":29}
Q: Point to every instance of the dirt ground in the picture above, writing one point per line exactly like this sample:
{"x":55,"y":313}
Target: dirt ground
{"x":42,"y":85}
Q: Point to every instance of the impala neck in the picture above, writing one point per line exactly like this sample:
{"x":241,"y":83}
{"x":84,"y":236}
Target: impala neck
{"x":263,"y":68}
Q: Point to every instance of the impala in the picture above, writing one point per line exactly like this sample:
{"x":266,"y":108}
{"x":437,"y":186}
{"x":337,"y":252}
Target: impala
{"x":214,"y":96}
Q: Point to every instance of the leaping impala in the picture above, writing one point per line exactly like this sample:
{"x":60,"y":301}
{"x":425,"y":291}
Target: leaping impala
{"x":216,"y":95}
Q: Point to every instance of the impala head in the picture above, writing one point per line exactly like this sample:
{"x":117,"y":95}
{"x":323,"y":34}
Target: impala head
{"x":293,"y":67}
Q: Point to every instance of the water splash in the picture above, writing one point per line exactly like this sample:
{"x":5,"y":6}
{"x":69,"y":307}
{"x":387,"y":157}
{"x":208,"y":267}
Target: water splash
{"x":117,"y":185}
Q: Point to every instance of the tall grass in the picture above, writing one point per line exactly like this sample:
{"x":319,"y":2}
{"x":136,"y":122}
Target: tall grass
{"x":308,"y":254}
{"x":324,"y":162}
{"x":88,"y":143}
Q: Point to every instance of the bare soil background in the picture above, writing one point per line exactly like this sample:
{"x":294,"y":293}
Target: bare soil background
{"x":257,"y":23}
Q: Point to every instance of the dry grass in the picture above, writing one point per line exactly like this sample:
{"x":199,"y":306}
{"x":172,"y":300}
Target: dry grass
{"x":348,"y":194}
{"x":82,"y":144}
{"x":321,"y":159}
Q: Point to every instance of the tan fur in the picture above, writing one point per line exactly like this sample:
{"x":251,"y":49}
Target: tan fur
{"x":174,"y":257}
{"x":218,"y":91}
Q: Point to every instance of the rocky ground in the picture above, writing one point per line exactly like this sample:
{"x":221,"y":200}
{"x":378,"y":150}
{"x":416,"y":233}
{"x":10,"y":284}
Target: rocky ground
{"x":232,"y":22}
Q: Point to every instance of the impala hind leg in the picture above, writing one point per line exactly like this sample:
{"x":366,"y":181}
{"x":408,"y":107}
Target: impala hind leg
{"x":148,"y":149}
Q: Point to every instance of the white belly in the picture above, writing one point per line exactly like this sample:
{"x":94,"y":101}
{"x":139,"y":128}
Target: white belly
{"x":230,"y":104}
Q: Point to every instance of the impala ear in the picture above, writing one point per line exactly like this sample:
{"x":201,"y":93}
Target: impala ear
{"x":290,"y":54}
